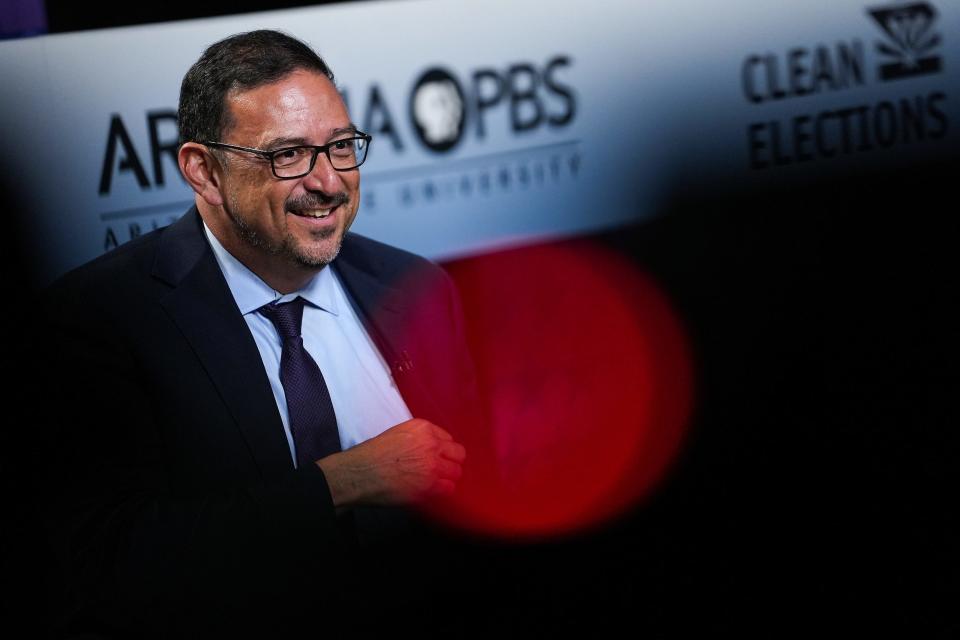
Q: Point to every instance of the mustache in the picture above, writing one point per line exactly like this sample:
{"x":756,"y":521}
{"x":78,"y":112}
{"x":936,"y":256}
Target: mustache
{"x":309,"y":201}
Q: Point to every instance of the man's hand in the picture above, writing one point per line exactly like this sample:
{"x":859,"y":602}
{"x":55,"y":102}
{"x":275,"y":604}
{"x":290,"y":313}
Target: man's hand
{"x":411,"y":461}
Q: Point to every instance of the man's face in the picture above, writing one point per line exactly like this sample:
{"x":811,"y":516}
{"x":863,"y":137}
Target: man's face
{"x":288,"y":223}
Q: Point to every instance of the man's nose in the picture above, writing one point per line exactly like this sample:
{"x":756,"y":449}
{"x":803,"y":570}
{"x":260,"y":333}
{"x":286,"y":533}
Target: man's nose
{"x":323,"y":177}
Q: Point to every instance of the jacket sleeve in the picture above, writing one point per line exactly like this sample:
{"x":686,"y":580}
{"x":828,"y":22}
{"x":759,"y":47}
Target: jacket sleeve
{"x":133,"y":552}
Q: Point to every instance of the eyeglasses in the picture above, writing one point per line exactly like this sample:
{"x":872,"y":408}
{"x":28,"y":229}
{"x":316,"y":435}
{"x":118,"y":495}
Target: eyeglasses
{"x":295,"y":162}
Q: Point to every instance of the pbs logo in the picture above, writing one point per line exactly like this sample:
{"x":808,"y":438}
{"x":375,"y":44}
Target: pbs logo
{"x":438,"y":109}
{"x":532,"y":95}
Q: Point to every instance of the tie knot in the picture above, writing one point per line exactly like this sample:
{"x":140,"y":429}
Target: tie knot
{"x":286,"y":317}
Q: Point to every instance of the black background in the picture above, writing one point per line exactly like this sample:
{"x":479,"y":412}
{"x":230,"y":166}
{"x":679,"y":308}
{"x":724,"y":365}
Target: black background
{"x":815,"y":492}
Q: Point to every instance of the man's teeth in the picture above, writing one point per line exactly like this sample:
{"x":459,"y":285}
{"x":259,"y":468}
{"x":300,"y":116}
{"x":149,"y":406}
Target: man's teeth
{"x":317,"y":214}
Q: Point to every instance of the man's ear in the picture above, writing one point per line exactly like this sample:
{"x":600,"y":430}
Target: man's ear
{"x":202,"y":171}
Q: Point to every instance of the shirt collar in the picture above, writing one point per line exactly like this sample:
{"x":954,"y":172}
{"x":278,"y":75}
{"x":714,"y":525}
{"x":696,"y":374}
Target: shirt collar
{"x":250,"y":292}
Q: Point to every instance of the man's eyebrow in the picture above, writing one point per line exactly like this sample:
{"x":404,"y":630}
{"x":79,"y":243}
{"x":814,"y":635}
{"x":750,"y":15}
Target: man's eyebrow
{"x":352,"y":128}
{"x":282,"y":141}
{"x":276,"y":143}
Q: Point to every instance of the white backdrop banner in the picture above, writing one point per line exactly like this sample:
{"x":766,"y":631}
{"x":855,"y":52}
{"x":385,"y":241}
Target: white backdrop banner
{"x":496,"y":122}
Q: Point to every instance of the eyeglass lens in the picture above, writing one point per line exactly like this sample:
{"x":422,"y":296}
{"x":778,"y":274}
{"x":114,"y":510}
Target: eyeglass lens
{"x":296,"y":161}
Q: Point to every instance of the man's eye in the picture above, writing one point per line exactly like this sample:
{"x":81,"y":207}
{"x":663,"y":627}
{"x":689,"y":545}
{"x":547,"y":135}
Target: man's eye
{"x":342,"y":147}
{"x":289,"y":156}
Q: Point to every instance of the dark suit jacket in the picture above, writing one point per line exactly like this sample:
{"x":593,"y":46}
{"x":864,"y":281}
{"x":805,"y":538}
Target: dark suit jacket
{"x":171,"y":498}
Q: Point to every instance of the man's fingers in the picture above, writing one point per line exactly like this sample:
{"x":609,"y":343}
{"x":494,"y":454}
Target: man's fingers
{"x":449,"y":448}
{"x":448,"y":470}
{"x":440,"y":433}
{"x":453,"y":451}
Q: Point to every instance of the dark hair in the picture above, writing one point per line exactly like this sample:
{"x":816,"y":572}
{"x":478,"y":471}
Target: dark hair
{"x":243,"y":61}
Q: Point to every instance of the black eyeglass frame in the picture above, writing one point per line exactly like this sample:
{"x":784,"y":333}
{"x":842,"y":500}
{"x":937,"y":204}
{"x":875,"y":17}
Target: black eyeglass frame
{"x":325,"y":148}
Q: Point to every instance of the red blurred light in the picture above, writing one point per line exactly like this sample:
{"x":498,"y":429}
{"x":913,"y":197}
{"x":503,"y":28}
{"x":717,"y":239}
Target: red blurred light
{"x":587,"y":376}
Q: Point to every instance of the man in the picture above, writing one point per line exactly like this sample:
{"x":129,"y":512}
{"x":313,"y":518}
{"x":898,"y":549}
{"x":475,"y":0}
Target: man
{"x":210,"y":461}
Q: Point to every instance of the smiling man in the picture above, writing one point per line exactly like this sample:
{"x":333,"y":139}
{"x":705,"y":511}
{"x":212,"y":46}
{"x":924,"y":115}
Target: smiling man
{"x":258,"y":395}
{"x":286,"y":228}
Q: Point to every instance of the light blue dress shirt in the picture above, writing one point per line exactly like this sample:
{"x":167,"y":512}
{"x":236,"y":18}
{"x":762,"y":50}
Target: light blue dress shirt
{"x":365,"y":397}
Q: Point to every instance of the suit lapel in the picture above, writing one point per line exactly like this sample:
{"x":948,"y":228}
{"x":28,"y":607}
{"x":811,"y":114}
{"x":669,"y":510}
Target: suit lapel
{"x":204,"y":309}
{"x":385,"y":315}
{"x":202,"y":306}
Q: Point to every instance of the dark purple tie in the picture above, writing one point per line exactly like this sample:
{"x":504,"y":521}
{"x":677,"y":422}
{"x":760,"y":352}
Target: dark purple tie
{"x":312,"y":420}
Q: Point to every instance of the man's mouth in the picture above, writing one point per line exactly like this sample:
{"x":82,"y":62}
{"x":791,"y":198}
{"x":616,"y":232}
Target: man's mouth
{"x":314,"y":213}
{"x":316,"y":207}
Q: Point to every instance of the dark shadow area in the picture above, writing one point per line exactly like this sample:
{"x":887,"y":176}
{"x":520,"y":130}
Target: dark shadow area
{"x":814,"y":490}
{"x":24,"y":555}
{"x":64,"y":16}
